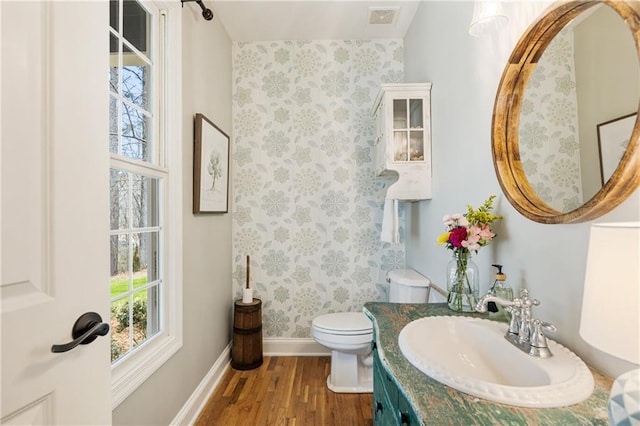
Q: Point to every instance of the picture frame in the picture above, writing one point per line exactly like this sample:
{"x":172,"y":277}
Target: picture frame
{"x":613,"y":138}
{"x":210,"y":167}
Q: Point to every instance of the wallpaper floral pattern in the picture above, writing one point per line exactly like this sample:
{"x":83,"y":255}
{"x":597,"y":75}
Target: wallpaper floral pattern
{"x":549,"y":145}
{"x":306,"y":205}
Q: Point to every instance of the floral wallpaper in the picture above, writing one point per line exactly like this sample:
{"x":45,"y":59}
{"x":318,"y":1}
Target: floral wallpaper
{"x":549,"y":146}
{"x":306,"y":205}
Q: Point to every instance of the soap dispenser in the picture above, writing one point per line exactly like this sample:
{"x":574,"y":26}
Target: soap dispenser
{"x":502,"y":290}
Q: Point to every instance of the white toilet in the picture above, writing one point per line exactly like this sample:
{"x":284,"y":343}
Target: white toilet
{"x":349,"y":334}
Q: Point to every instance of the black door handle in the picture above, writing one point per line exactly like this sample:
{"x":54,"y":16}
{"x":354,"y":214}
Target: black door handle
{"x":86,"y":329}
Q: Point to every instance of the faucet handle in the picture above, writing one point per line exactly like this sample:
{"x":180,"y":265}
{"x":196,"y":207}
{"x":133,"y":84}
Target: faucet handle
{"x":539,"y":340}
{"x":514,"y":324}
{"x":526,"y":302}
{"x":543,"y":325}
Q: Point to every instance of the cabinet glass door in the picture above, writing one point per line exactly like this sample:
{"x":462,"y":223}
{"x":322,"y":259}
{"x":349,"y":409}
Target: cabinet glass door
{"x":408,"y":130}
{"x":399,"y":114}
{"x":400,"y":145}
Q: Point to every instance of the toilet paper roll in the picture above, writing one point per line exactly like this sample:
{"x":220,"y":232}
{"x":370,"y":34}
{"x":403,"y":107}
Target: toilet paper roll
{"x":247,"y":295}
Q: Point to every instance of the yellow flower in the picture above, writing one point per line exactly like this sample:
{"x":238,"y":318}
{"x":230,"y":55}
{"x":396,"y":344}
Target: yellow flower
{"x":443,"y":238}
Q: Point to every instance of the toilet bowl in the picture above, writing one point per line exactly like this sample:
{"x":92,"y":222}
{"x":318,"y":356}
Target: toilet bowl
{"x":349,"y":334}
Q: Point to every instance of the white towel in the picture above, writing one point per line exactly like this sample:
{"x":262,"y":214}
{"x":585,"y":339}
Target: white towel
{"x":390,"y":232}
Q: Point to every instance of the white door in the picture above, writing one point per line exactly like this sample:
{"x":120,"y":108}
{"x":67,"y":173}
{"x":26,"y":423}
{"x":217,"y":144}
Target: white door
{"x":54,"y":210}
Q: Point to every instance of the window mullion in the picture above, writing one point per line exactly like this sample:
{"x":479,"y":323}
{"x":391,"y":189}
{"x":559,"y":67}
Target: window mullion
{"x":162,"y":84}
{"x":134,"y":50}
{"x":133,"y":105}
{"x":130,"y":259}
{"x":138,"y":166}
{"x":141,"y":230}
{"x":130,"y":222}
{"x":120,"y":64}
{"x":130,"y":301}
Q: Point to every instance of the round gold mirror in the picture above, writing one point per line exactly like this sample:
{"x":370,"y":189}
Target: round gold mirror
{"x":536,"y":152}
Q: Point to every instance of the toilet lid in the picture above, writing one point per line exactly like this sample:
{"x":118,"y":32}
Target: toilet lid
{"x":344,"y":323}
{"x":408,"y":277}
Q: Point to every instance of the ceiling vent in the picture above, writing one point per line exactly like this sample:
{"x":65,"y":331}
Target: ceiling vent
{"x":382,"y":15}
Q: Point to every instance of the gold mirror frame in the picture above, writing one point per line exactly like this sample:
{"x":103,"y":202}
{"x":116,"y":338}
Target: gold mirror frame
{"x":506,"y":118}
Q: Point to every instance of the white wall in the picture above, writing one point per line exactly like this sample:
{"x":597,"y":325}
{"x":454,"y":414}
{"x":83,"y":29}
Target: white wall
{"x":207,"y":297}
{"x":547,"y":259}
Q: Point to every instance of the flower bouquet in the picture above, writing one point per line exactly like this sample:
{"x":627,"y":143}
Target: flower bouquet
{"x":466,"y":234}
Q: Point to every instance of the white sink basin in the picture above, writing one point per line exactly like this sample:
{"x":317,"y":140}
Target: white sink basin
{"x":472,"y":356}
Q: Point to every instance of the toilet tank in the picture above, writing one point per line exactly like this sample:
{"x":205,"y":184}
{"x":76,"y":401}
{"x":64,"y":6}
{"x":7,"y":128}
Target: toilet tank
{"x":407,"y":286}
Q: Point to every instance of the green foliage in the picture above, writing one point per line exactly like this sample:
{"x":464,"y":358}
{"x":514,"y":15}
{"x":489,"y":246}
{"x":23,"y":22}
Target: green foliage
{"x":483,"y":215}
{"x":121,"y":314}
{"x":116,"y":350}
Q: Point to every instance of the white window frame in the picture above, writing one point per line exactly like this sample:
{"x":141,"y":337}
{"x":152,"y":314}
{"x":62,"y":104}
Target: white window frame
{"x":128,"y":373}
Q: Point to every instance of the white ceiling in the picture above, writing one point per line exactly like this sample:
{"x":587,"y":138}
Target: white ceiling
{"x":264,"y":20}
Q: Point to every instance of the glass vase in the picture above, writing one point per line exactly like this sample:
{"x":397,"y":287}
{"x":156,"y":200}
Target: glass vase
{"x":463,"y":280}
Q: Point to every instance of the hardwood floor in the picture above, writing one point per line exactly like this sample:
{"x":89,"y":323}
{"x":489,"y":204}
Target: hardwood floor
{"x":284,"y":391}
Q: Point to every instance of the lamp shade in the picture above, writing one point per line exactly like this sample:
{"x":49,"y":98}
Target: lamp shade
{"x":488,"y":17}
{"x":610,"y":308}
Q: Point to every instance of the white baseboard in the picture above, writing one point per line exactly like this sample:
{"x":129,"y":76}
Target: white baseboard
{"x":273,"y":346}
{"x":190,"y":411}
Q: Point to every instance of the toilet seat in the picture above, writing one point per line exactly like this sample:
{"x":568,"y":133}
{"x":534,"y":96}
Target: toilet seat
{"x":343,"y":324}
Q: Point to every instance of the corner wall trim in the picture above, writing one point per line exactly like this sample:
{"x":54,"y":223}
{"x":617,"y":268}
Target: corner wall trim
{"x":190,"y":411}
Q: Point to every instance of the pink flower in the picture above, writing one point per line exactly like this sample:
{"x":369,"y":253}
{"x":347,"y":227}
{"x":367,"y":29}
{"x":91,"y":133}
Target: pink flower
{"x":472,"y":243}
{"x":470,"y":231}
{"x":461,"y":220}
{"x":486,"y":234}
{"x":457,"y":236}
{"x":455,"y":220}
{"x":475,"y":230}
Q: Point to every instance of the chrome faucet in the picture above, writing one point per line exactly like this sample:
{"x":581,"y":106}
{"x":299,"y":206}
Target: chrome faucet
{"x":524,"y":332}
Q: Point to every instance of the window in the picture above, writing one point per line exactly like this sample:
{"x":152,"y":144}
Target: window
{"x":145,"y":194}
{"x":136,"y":279}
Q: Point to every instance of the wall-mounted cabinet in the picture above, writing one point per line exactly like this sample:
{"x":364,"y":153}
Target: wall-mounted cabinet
{"x":402,"y":145}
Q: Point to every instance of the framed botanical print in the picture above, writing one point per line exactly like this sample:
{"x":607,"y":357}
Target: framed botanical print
{"x":613,"y":138}
{"x":210,"y":168}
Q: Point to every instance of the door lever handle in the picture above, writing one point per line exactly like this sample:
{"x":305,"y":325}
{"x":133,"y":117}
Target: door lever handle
{"x":86,"y":329}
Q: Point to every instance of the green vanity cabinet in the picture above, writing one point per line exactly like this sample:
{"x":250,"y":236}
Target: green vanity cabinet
{"x":390,"y":406}
{"x":407,"y":415}
{"x":403,"y":395}
{"x":383,"y":409}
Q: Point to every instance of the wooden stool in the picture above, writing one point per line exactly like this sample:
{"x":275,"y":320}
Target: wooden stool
{"x":246,"y":350}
